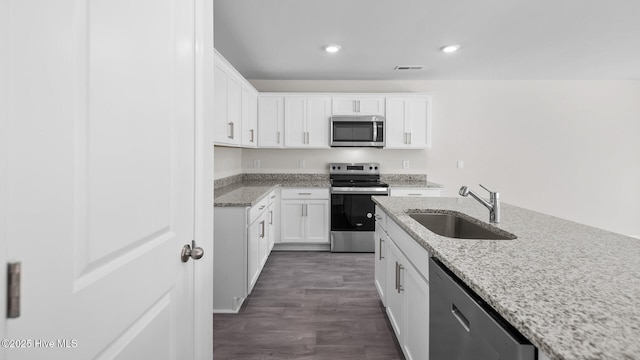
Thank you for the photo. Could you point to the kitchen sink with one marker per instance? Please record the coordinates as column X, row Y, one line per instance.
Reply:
column 456, row 226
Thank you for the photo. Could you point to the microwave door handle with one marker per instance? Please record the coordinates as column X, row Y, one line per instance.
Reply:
column 375, row 131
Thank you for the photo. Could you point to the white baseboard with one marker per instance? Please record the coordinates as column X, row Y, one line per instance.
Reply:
column 301, row 247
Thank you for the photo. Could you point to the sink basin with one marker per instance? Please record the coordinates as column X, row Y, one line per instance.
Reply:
column 455, row 226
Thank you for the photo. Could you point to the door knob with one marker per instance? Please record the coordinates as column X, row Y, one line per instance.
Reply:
column 188, row 252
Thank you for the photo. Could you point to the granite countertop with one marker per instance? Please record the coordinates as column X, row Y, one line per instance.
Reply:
column 248, row 193
column 571, row 289
column 247, row 189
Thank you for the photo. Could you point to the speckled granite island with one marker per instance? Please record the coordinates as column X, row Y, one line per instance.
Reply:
column 572, row 290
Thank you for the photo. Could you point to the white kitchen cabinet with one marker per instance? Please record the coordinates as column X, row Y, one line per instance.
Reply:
column 405, row 286
column 306, row 121
column 408, row 122
column 256, row 249
column 395, row 264
column 235, row 106
column 270, row 121
column 354, row 104
column 273, row 216
column 380, row 262
column 417, row 192
column 242, row 246
column 415, row 342
column 305, row 215
column 249, row 118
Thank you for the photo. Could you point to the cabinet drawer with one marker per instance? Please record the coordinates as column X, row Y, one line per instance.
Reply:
column 305, row 193
column 258, row 209
column 420, row 192
column 416, row 254
column 381, row 218
column 272, row 197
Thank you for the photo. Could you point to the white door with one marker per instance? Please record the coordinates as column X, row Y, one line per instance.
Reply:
column 396, row 132
column 270, row 121
column 317, row 221
column 294, row 121
column 292, row 220
column 318, row 114
column 416, row 122
column 98, row 149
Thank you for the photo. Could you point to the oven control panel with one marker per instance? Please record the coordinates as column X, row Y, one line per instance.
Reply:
column 354, row 168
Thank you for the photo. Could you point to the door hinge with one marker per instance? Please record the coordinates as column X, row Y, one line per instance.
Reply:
column 13, row 290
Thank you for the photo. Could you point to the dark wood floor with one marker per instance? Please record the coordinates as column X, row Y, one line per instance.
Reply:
column 309, row 305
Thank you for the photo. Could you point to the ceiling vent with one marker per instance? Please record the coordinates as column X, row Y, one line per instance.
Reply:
column 409, row 67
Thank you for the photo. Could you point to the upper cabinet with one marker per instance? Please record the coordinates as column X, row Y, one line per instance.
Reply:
column 408, row 122
column 249, row 118
column 270, row 121
column 358, row 105
column 306, row 121
column 235, row 106
column 245, row 118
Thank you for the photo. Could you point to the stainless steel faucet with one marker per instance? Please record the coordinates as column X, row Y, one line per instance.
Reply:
column 493, row 204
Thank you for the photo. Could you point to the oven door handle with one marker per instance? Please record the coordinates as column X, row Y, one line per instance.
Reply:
column 360, row 191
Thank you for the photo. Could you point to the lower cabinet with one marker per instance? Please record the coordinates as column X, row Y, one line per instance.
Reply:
column 305, row 216
column 380, row 261
column 403, row 288
column 242, row 244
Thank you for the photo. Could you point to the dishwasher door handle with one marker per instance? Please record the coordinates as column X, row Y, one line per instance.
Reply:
column 460, row 316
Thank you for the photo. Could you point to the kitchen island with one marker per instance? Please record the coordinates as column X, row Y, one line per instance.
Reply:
column 571, row 289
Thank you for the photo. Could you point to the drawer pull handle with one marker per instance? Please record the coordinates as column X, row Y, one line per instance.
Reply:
column 460, row 316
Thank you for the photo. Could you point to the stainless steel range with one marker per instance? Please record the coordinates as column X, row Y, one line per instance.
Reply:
column 352, row 210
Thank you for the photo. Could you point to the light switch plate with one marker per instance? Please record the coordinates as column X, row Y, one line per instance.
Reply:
column 405, row 164
column 256, row 163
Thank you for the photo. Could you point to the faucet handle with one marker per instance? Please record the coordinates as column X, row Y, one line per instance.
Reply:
column 490, row 192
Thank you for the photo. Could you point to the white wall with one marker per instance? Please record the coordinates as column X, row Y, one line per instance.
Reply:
column 315, row 161
column 565, row 148
column 227, row 162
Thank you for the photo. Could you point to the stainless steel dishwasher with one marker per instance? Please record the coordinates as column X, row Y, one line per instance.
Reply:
column 462, row 326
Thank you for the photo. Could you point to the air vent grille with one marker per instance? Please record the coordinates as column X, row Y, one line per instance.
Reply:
column 409, row 67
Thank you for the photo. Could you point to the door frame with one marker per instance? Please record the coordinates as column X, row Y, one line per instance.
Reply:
column 204, row 151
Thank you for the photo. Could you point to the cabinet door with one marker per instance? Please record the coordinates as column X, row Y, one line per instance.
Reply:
column 396, row 134
column 317, row 221
column 344, row 106
column 271, row 222
column 253, row 254
column 220, row 105
column 371, row 106
column 317, row 124
column 294, row 122
column 380, row 263
column 416, row 311
column 395, row 294
column 292, row 228
column 270, row 121
column 416, row 122
column 234, row 110
column 358, row 105
column 249, row 118
column 263, row 241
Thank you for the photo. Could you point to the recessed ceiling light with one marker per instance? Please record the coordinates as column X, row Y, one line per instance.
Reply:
column 450, row 48
column 333, row 48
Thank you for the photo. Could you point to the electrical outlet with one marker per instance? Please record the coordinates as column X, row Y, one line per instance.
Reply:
column 460, row 164
column 256, row 163
column 302, row 164
column 405, row 164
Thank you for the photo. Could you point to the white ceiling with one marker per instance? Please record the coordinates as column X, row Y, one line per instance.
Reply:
column 501, row 39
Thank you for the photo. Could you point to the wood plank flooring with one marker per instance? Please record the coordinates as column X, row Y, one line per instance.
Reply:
column 309, row 306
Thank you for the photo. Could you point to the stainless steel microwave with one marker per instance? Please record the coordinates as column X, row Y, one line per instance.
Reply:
column 357, row 130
